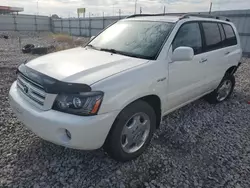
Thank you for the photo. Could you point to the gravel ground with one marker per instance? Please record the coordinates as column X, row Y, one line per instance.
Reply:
column 200, row 145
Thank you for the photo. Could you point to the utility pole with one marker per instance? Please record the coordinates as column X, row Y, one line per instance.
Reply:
column 140, row 10
column 210, row 9
column 120, row 12
column 37, row 7
column 164, row 10
column 135, row 6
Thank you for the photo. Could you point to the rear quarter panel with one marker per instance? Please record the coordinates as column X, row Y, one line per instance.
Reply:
column 236, row 51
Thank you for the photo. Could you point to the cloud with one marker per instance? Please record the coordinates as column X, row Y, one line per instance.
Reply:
column 66, row 8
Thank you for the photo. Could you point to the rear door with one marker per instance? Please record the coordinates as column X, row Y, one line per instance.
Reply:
column 214, row 52
column 232, row 51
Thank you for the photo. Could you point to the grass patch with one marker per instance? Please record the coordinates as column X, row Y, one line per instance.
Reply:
column 63, row 38
column 61, row 48
column 65, row 41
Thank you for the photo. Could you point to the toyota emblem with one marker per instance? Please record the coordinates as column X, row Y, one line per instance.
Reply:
column 25, row 89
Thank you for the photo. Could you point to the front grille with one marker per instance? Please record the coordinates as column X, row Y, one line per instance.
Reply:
column 31, row 89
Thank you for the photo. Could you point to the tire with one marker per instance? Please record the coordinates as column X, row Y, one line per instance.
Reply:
column 5, row 36
column 213, row 98
column 40, row 50
column 113, row 144
column 27, row 48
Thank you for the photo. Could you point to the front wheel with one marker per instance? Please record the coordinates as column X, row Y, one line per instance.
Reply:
column 223, row 91
column 131, row 132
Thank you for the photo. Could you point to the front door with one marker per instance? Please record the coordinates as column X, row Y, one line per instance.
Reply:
column 186, row 78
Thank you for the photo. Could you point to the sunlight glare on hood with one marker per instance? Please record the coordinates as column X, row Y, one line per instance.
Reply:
column 68, row 70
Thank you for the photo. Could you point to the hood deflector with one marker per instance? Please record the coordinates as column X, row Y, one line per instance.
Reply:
column 49, row 84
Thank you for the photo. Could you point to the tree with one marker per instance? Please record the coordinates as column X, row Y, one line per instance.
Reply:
column 55, row 16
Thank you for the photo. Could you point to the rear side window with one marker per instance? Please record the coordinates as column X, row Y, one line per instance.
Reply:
column 212, row 36
column 230, row 35
column 189, row 35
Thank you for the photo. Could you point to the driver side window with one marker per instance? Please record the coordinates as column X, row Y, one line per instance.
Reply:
column 189, row 35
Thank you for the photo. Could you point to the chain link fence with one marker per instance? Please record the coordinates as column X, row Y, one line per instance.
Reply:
column 25, row 23
column 91, row 26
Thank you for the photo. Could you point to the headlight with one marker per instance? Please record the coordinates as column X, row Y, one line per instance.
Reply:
column 85, row 104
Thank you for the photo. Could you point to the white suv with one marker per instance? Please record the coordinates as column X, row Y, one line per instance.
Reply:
column 114, row 91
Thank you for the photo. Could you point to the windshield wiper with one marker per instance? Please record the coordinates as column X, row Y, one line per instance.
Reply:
column 91, row 46
column 113, row 51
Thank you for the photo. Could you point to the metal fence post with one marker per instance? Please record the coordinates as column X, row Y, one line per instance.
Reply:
column 69, row 26
column 61, row 25
column 51, row 24
column 90, row 27
column 103, row 21
column 80, row 27
column 20, row 42
column 35, row 23
column 15, row 23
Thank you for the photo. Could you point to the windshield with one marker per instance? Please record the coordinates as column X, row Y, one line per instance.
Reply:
column 142, row 39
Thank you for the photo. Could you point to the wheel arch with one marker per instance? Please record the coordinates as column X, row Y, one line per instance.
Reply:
column 154, row 101
column 231, row 70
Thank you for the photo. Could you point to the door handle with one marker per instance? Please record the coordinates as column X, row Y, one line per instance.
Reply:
column 227, row 53
column 203, row 61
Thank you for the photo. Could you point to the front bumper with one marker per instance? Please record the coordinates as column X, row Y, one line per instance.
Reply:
column 87, row 133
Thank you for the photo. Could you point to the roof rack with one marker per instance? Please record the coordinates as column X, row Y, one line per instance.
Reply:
column 166, row 14
column 204, row 16
column 183, row 15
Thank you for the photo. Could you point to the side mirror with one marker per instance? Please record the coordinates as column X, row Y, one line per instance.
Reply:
column 183, row 54
column 92, row 38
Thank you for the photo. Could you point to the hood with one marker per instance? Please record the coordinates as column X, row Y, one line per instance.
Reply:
column 83, row 65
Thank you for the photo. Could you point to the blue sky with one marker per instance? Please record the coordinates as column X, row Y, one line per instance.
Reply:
column 66, row 8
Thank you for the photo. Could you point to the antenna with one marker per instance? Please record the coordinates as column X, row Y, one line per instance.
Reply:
column 211, row 6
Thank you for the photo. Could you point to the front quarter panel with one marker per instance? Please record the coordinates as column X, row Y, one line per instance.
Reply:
column 126, row 87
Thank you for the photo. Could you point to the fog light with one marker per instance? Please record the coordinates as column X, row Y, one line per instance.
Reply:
column 68, row 134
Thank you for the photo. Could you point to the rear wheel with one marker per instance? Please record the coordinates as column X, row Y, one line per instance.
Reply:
column 131, row 132
column 224, row 90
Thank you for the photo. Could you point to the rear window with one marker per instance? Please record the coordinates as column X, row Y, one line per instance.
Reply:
column 212, row 36
column 230, row 35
